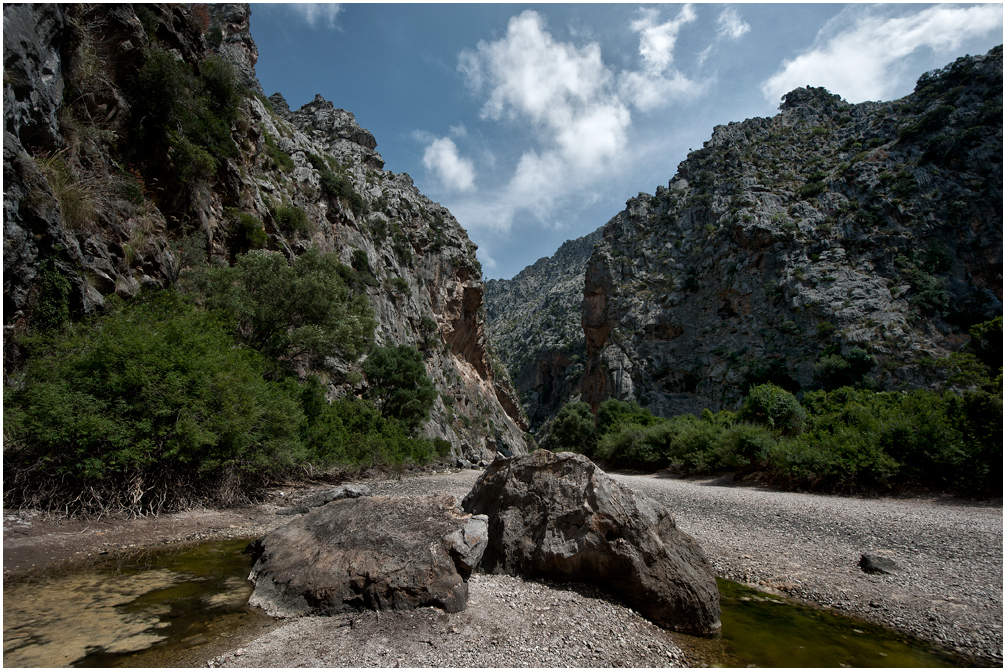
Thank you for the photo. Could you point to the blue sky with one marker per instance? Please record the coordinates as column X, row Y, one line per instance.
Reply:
column 534, row 124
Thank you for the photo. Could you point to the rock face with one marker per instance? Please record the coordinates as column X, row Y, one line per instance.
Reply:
column 422, row 277
column 369, row 553
column 793, row 239
column 558, row 516
column 784, row 242
column 533, row 321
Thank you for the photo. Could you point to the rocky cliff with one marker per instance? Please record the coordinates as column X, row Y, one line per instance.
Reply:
column 829, row 240
column 533, row 321
column 107, row 200
column 822, row 245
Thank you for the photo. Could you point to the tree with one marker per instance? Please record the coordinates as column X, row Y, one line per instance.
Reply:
column 574, row 428
column 398, row 384
column 291, row 309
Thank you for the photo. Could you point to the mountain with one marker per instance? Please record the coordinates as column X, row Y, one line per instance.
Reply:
column 830, row 244
column 137, row 140
column 533, row 321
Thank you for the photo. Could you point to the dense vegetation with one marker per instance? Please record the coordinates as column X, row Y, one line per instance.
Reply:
column 191, row 393
column 843, row 440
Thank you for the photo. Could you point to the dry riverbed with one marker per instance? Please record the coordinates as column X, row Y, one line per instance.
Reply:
column 950, row 589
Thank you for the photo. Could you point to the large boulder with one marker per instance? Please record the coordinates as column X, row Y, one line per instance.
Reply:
column 369, row 553
column 559, row 516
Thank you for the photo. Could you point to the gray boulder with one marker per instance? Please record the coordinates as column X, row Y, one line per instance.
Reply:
column 872, row 563
column 559, row 516
column 369, row 553
column 350, row 491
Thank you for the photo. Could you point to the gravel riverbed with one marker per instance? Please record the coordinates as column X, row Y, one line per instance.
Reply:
column 950, row 589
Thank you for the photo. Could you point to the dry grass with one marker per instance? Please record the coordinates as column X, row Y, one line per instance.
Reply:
column 80, row 197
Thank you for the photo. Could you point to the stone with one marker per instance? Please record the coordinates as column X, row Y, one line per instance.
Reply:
column 559, row 516
column 872, row 563
column 352, row 491
column 369, row 553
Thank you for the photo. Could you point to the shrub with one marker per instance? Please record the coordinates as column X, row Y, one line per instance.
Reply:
column 291, row 219
column 773, row 406
column 336, row 186
column 77, row 196
column 833, row 370
column 187, row 113
column 573, row 429
column 150, row 406
column 613, row 413
column 280, row 158
column 987, row 342
column 246, row 231
column 398, row 384
column 290, row 309
column 51, row 304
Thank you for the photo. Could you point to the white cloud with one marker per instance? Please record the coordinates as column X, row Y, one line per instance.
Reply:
column 658, row 84
column 454, row 172
column 565, row 94
column 316, row 12
column 863, row 62
column 576, row 107
column 657, row 40
column 731, row 25
column 459, row 130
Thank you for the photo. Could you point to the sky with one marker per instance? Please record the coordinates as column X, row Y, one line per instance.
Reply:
column 533, row 124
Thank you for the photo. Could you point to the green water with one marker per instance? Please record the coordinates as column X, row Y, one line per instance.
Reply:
column 143, row 611
column 173, row 608
column 764, row 630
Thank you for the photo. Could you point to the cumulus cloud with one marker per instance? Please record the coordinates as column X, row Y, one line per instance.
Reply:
column 316, row 13
column 731, row 25
column 658, row 83
column 442, row 159
column 565, row 94
column 863, row 61
column 576, row 107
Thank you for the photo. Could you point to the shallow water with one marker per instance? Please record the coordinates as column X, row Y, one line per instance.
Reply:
column 764, row 630
column 168, row 609
column 129, row 612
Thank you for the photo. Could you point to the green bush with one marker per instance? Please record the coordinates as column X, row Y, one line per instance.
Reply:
column 398, row 384
column 152, row 405
column 336, row 186
column 775, row 407
column 280, row 158
column 987, row 342
column 833, row 370
column 290, row 309
column 245, row 230
column 291, row 219
column 613, row 413
column 573, row 429
column 51, row 304
column 188, row 114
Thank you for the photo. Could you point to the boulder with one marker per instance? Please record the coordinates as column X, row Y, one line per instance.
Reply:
column 872, row 563
column 350, row 491
column 369, row 553
column 559, row 516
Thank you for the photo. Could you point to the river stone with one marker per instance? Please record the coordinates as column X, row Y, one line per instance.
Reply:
column 351, row 491
column 559, row 516
column 878, row 564
column 369, row 553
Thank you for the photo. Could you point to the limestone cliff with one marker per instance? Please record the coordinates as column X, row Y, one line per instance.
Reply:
column 787, row 242
column 533, row 320
column 89, row 192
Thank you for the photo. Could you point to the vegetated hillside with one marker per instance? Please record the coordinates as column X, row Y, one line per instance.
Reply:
column 533, row 321
column 830, row 244
column 140, row 154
